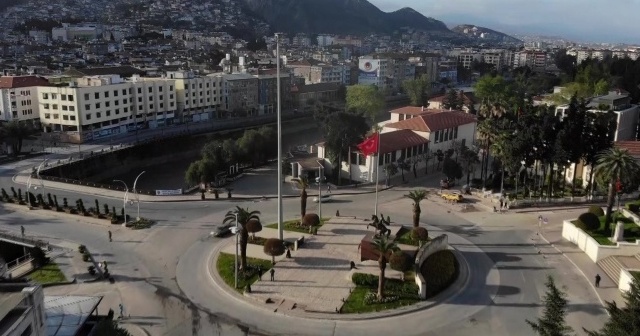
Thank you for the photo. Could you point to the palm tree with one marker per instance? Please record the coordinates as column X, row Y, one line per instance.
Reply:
column 384, row 248
column 469, row 159
column 499, row 149
column 417, row 196
column 244, row 217
column 303, row 184
column 613, row 165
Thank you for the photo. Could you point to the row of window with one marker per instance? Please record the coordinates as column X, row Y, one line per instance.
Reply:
column 27, row 112
column 63, row 107
column 106, row 94
column 56, row 116
column 63, row 97
column 404, row 154
column 446, row 135
column 25, row 102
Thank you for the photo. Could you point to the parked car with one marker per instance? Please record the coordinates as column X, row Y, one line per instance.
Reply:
column 323, row 199
column 224, row 230
column 452, row 197
column 321, row 179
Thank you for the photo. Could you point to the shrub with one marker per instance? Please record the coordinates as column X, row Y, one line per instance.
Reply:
column 580, row 225
column 82, row 249
column 439, row 271
column 274, row 247
column 253, row 226
column 596, row 210
column 371, row 298
column 400, row 261
column 633, row 207
column 590, row 221
column 310, row 220
column 91, row 269
column 86, row 257
column 39, row 256
column 419, row 234
column 364, row 279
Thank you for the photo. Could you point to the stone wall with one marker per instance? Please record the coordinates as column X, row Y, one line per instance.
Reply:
column 592, row 248
column 439, row 243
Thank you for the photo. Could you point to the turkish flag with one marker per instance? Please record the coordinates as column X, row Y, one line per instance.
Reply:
column 370, row 145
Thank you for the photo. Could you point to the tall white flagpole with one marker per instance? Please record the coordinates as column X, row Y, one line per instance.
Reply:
column 377, row 165
column 279, row 122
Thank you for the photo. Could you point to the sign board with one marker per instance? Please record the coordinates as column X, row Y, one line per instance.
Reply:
column 168, row 192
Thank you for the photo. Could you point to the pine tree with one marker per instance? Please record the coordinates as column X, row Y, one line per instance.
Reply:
column 623, row 321
column 555, row 309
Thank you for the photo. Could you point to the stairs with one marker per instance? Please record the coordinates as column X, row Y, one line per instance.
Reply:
column 613, row 264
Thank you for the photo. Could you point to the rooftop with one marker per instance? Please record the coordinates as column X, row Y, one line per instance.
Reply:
column 401, row 139
column 67, row 314
column 14, row 82
column 632, row 146
column 434, row 120
column 123, row 71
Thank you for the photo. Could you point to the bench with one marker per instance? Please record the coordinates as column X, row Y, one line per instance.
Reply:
column 298, row 243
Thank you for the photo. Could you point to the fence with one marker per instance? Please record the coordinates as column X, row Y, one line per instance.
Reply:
column 25, row 240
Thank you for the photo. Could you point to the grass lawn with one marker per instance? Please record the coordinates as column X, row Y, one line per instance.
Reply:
column 404, row 237
column 631, row 231
column 49, row 273
column 635, row 274
column 260, row 241
column 292, row 225
column 227, row 272
column 355, row 303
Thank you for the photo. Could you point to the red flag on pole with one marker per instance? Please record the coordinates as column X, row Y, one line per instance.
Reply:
column 370, row 145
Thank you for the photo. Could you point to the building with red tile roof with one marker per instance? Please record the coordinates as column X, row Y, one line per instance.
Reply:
column 18, row 98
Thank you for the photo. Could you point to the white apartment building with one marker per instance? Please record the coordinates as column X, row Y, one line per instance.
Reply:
column 68, row 32
column 100, row 106
column 22, row 310
column 325, row 40
column 18, row 98
column 198, row 97
column 387, row 74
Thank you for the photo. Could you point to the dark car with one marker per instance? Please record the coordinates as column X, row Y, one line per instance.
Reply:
column 223, row 230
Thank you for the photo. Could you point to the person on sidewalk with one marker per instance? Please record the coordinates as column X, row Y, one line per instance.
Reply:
column 110, row 235
column 598, row 278
column 328, row 188
column 260, row 273
column 22, row 230
column 273, row 272
column 288, row 255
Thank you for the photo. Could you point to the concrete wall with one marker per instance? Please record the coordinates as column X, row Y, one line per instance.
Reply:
column 633, row 216
column 439, row 243
column 590, row 246
column 626, row 279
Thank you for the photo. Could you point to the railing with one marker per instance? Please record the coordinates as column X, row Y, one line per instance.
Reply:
column 29, row 241
column 16, row 263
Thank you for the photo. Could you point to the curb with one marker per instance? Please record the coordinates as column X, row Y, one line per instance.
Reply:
column 450, row 293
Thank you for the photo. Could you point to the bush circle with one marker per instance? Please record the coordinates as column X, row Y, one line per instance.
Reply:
column 590, row 221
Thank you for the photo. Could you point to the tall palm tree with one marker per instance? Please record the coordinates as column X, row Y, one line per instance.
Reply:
column 303, row 184
column 469, row 159
column 613, row 165
column 244, row 217
column 417, row 196
column 384, row 248
column 499, row 149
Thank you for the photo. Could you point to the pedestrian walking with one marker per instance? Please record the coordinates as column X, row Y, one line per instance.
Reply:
column 260, row 273
column 110, row 235
column 501, row 203
column 288, row 255
column 22, row 230
column 121, row 310
column 328, row 188
column 273, row 272
column 598, row 278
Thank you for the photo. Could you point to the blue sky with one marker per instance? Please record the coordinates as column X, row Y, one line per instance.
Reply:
column 581, row 20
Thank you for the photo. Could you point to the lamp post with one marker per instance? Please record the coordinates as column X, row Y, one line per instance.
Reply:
column 135, row 191
column 236, row 263
column 279, row 123
column 40, row 177
column 124, row 200
column 28, row 192
column 320, row 192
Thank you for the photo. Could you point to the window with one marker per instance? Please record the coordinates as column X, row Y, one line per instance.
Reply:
column 54, row 96
column 70, row 97
column 170, row 87
column 63, row 97
column 46, row 106
column 97, row 105
column 54, row 106
column 207, row 85
column 108, row 113
column 139, row 90
column 139, row 99
column 193, row 94
column 139, row 107
column 97, row 95
column 106, row 94
column 115, row 93
column 47, row 115
column 98, row 115
column 124, row 91
column 45, row 96
column 116, row 103
column 160, row 88
column 56, row 116
column 150, row 89
column 150, row 98
column 171, row 96
column 65, row 117
column 87, row 106
column 107, row 104
column 87, row 116
column 193, row 86
column 124, row 101
column 65, row 108
column 86, row 96
column 72, row 118
column 455, row 132
column 161, row 105
column 161, row 97
column 171, row 104
column 117, row 111
column 151, row 106
column 125, row 110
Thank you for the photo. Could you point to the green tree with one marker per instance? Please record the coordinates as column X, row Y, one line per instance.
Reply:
column 612, row 165
column 269, row 141
column 451, row 169
column 403, row 166
column 251, row 147
column 552, row 322
column 303, row 184
column 383, row 247
column 365, row 99
column 469, row 158
column 599, row 135
column 341, row 131
column 14, row 133
column 244, row 216
column 202, row 171
column 570, row 140
column 390, row 169
column 623, row 321
column 453, row 100
column 417, row 196
column 231, row 151
column 601, row 87
column 418, row 90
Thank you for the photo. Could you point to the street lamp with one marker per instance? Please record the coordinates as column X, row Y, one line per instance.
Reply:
column 236, row 263
column 28, row 192
column 279, row 123
column 320, row 192
column 135, row 191
column 40, row 177
column 124, row 200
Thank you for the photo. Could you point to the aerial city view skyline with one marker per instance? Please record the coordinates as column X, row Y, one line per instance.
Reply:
column 319, row 167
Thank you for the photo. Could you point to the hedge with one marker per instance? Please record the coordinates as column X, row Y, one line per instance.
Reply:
column 591, row 221
column 596, row 210
column 439, row 271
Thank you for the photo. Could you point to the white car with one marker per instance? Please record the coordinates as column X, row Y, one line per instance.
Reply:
column 323, row 199
column 322, row 179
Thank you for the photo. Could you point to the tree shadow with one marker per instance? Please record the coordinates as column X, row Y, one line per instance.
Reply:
column 349, row 231
column 502, row 257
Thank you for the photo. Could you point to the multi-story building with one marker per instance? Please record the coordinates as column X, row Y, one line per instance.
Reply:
column 325, row 40
column 19, row 99
column 268, row 93
column 22, row 309
column 240, row 94
column 315, row 72
column 68, row 32
column 198, row 98
column 427, row 65
column 582, row 55
column 600, row 54
column 348, row 40
column 386, row 72
column 468, row 58
column 101, row 106
column 530, row 58
column 494, row 58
